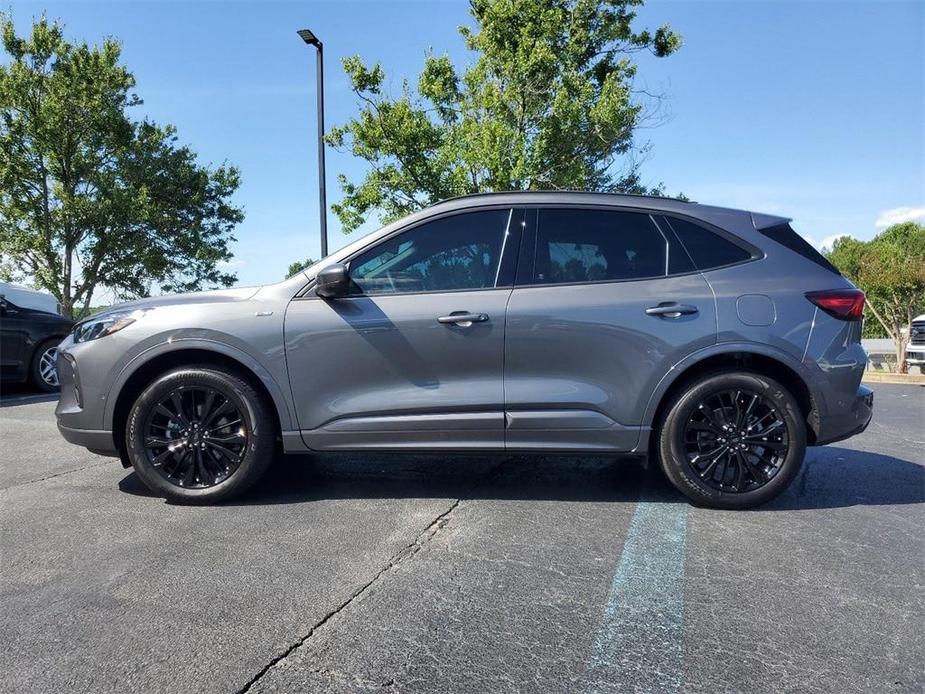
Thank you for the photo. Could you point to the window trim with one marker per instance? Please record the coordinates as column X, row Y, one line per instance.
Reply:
column 307, row 292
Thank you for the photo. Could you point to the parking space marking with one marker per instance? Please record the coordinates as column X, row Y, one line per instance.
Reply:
column 638, row 644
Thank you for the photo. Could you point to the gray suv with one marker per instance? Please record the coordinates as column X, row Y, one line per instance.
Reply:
column 715, row 340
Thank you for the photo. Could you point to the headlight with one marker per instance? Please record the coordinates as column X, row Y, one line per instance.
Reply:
column 105, row 324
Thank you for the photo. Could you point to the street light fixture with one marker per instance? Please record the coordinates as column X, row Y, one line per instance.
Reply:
column 308, row 37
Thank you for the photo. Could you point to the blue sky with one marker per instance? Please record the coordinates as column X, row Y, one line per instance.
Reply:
column 815, row 110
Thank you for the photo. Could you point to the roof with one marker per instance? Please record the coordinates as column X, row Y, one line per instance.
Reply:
column 545, row 197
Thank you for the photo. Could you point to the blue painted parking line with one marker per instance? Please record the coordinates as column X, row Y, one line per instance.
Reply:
column 638, row 644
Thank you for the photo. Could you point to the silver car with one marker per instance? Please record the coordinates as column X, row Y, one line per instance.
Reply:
column 716, row 341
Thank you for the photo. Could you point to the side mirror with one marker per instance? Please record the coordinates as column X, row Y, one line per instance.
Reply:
column 332, row 281
column 3, row 305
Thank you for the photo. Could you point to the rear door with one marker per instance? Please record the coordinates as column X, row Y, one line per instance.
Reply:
column 605, row 303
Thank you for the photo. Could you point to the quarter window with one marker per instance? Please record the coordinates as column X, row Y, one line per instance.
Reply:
column 707, row 250
column 457, row 252
column 585, row 245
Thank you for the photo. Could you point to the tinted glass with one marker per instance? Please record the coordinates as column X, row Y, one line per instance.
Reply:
column 786, row 236
column 575, row 245
column 457, row 252
column 708, row 250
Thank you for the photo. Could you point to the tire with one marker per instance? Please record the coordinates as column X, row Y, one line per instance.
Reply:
column 688, row 440
column 39, row 374
column 189, row 454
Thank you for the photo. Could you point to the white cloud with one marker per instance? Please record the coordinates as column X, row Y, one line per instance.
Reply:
column 825, row 243
column 230, row 264
column 898, row 215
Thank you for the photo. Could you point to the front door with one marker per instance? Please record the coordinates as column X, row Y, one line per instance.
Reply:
column 603, row 308
column 413, row 356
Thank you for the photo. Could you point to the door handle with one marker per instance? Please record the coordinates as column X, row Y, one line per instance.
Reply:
column 464, row 320
column 670, row 309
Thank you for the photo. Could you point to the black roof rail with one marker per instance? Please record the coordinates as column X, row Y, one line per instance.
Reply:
column 570, row 190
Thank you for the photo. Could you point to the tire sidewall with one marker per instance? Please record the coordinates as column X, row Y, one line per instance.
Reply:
column 256, row 420
column 671, row 436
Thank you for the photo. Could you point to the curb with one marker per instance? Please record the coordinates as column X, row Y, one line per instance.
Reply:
column 906, row 379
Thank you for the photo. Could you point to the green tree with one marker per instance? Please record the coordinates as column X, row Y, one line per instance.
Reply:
column 548, row 103
column 890, row 269
column 90, row 197
column 299, row 266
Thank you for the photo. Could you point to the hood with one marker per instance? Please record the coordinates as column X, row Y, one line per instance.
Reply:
column 213, row 296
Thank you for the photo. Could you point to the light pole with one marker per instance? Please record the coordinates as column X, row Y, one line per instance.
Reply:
column 312, row 40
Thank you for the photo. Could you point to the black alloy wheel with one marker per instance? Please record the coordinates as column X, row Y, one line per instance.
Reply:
column 195, row 437
column 736, row 440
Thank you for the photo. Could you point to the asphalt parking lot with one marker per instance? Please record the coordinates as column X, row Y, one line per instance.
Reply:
column 463, row 574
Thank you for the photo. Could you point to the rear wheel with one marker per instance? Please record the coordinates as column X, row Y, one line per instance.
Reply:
column 732, row 440
column 44, row 371
column 200, row 435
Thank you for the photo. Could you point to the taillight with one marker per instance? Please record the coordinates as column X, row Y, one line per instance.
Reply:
column 846, row 304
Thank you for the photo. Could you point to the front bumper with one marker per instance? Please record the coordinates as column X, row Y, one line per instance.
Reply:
column 915, row 355
column 852, row 421
column 97, row 441
column 75, row 423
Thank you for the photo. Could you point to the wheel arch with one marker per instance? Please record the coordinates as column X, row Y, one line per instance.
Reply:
column 132, row 381
column 745, row 358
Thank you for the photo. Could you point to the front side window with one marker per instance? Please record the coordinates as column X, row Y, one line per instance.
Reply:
column 452, row 253
column 585, row 245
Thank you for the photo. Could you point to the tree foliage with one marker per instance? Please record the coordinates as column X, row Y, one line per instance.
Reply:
column 549, row 103
column 298, row 266
column 90, row 197
column 890, row 269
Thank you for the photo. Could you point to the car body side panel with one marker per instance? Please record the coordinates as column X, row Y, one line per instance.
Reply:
column 593, row 348
column 371, row 372
column 755, row 305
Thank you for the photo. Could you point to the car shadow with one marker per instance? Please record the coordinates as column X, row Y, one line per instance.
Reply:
column 831, row 478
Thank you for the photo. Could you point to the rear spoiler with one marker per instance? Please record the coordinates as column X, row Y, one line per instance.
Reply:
column 766, row 221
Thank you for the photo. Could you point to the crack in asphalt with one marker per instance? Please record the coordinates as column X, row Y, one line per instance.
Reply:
column 404, row 554
column 57, row 474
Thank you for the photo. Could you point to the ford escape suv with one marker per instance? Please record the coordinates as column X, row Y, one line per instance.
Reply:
column 715, row 340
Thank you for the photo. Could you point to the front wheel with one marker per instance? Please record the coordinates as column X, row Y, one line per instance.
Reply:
column 44, row 367
column 200, row 435
column 732, row 440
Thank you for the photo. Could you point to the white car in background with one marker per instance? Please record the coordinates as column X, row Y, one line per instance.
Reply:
column 915, row 352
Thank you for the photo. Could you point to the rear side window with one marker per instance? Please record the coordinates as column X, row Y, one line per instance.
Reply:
column 585, row 245
column 786, row 236
column 708, row 250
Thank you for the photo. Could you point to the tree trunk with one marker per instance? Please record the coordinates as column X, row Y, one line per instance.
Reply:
column 895, row 334
column 901, row 356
